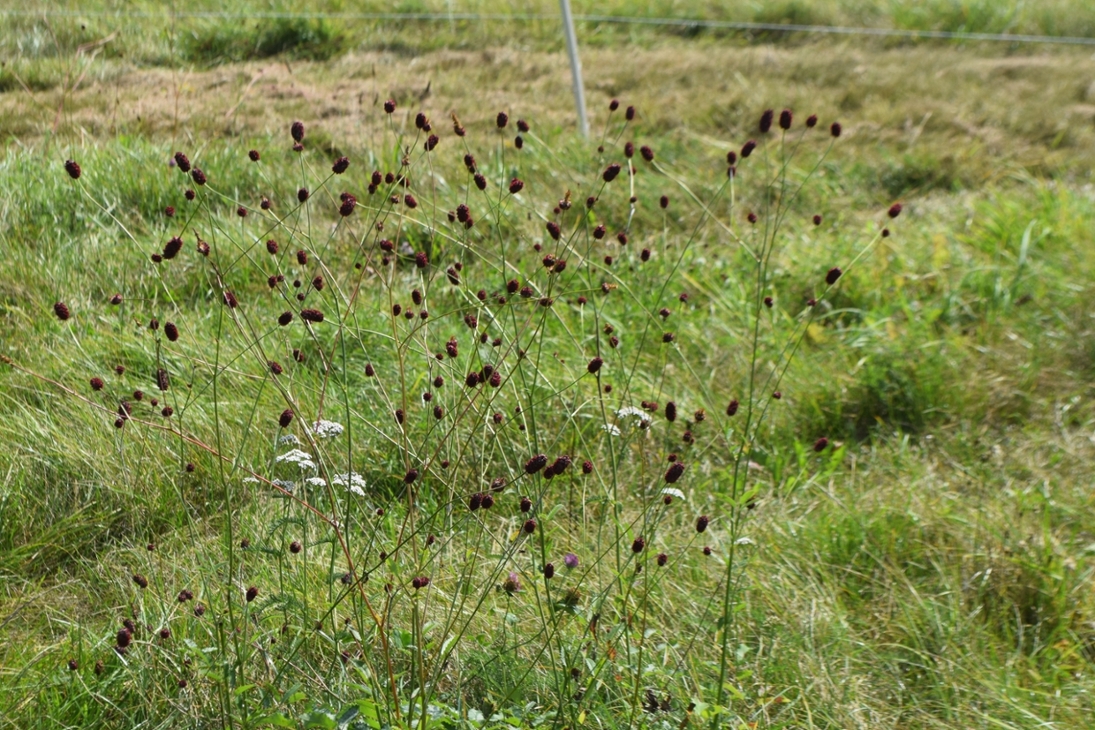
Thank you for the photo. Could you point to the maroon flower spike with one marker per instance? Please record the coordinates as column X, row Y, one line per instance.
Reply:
column 297, row 130
column 835, row 129
column 140, row 580
column 349, row 202
column 476, row 501
column 230, row 299
column 526, row 504
column 894, row 211
column 811, row 121
column 389, row 106
column 785, row 119
column 302, row 258
column 766, row 121
column 629, row 149
column 502, row 120
column 285, row 318
column 820, row 444
column 480, row 181
column 885, row 232
column 253, row 592
column 675, row 471
column 172, row 247
column 488, row 501
column 73, row 169
column 163, row 380
column 777, row 395
column 817, row 219
column 833, row 275
column 595, row 365
column 302, row 194
column 752, row 217
column 638, row 545
column 549, row 571
column 747, row 148
column 97, row 383
column 515, row 186
column 421, row 260
column 553, row 230
column 254, row 155
column 431, row 142
column 123, row 638
column 662, row 559
column 629, row 113
column 285, row 418
column 311, row 315
column 614, row 105
column 731, row 157
column 264, row 203
column 611, row 172
column 62, row 311
column 647, row 153
column 535, row 464
column 341, row 165
column 701, row 523
column 530, row 526
column 198, row 176
column 165, row 633
column 272, row 246
column 182, row 161
column 275, row 367
column 116, row 299
column 171, row 330
column 599, row 232
column 671, row 411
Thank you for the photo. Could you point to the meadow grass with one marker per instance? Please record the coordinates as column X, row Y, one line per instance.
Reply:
column 931, row 567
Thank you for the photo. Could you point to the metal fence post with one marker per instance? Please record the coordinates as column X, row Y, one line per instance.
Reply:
column 575, row 67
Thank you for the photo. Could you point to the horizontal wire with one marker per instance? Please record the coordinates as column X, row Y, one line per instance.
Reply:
column 688, row 23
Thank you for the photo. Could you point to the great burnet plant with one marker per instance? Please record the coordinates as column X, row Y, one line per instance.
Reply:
column 466, row 472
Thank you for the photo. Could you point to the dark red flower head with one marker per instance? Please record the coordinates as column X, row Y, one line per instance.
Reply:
column 182, row 162
column 172, row 247
column 62, row 311
column 253, row 592
column 785, row 119
column 341, row 165
column 349, row 202
column 530, row 526
column 198, row 176
column 73, row 169
column 811, row 121
column 766, row 121
column 895, row 210
column 701, row 523
column 171, row 330
column 515, row 186
column 389, row 106
column 817, row 219
column 675, row 471
column 611, row 172
column 614, row 105
column 835, row 129
column 297, row 130
column 821, row 444
column 638, row 545
column 502, row 120
column 629, row 113
column 140, row 580
column 285, row 418
column 535, row 464
column 421, row 260
column 747, row 148
column 833, row 275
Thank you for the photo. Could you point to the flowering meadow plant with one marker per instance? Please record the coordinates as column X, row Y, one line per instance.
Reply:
column 474, row 429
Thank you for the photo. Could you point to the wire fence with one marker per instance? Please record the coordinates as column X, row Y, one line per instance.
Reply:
column 682, row 23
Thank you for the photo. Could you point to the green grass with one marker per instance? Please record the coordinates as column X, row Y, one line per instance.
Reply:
column 932, row 569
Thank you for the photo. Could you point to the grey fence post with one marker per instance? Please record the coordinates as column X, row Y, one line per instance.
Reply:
column 575, row 66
